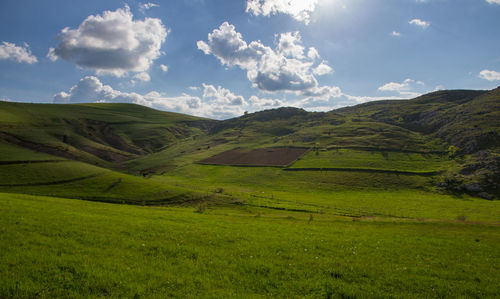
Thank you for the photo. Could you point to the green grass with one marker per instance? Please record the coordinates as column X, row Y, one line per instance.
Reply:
column 80, row 180
column 379, row 160
column 45, row 172
column 65, row 248
column 338, row 193
column 10, row 152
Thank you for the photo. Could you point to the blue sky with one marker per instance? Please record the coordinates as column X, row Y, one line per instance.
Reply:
column 219, row 58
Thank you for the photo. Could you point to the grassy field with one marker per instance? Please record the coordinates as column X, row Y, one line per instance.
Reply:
column 110, row 200
column 67, row 248
column 375, row 159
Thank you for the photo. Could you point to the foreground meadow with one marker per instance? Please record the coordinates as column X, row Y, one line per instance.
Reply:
column 56, row 247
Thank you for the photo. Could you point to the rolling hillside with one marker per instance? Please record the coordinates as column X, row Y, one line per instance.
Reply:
column 119, row 200
column 445, row 139
column 102, row 134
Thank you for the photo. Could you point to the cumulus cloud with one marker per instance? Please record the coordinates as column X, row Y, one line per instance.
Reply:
column 405, row 89
column 396, row 33
column 90, row 89
column 493, row 1
column 300, row 10
column 21, row 54
column 419, row 23
column 184, row 103
column 164, row 68
column 489, row 75
column 284, row 68
column 322, row 69
column 290, row 45
column 222, row 96
column 112, row 43
column 217, row 102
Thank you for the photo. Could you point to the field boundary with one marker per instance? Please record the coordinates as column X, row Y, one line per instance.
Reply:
column 375, row 149
column 32, row 161
column 242, row 165
column 53, row 182
column 369, row 170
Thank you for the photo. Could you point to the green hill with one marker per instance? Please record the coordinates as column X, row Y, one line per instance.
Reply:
column 447, row 139
column 101, row 134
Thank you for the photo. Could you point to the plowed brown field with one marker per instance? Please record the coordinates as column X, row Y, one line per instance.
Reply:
column 278, row 156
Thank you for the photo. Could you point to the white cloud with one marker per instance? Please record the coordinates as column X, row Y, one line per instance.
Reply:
column 439, row 87
column 184, row 103
column 90, row 89
column 220, row 103
column 222, row 96
column 419, row 23
column 263, row 103
column 396, row 33
column 52, row 55
column 313, row 53
column 300, row 10
column 405, row 89
column 5, row 99
column 217, row 102
column 21, row 54
column 142, row 77
column 322, row 69
column 290, row 45
column 489, row 75
column 145, row 6
column 324, row 92
column 194, row 88
column 493, row 1
column 164, row 68
column 112, row 43
column 282, row 69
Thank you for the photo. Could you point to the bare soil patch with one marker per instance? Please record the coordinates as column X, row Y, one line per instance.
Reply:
column 277, row 156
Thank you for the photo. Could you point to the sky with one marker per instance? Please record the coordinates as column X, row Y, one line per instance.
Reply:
column 220, row 58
